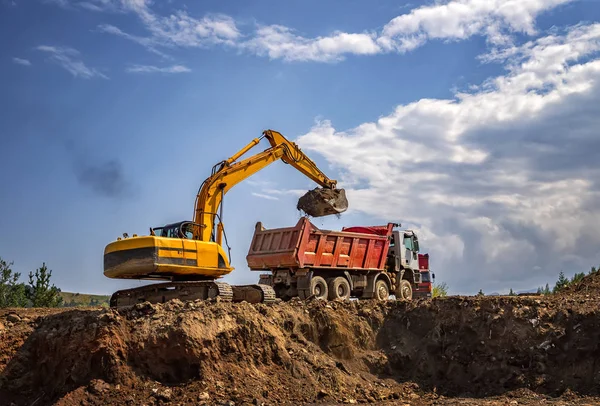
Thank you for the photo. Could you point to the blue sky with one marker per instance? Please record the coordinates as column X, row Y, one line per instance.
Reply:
column 472, row 121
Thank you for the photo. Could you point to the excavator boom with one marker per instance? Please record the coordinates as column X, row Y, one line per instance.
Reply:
column 232, row 171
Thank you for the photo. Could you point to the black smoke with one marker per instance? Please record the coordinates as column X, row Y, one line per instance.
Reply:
column 105, row 178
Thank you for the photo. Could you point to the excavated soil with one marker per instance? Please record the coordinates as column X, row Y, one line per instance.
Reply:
column 321, row 202
column 455, row 350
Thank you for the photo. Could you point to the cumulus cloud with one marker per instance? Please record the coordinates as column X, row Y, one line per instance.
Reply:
column 68, row 58
column 21, row 61
column 461, row 19
column 501, row 181
column 155, row 69
column 280, row 42
column 497, row 20
column 451, row 20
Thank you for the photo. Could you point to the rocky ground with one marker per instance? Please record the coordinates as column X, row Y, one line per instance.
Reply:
column 457, row 350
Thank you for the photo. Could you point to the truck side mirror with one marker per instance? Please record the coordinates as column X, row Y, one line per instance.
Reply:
column 433, row 275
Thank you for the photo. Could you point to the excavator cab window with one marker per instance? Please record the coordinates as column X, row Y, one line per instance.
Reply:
column 172, row 232
column 187, row 229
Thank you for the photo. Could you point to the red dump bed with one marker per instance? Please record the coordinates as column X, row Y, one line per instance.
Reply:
column 305, row 246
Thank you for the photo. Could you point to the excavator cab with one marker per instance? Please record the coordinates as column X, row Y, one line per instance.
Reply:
column 182, row 229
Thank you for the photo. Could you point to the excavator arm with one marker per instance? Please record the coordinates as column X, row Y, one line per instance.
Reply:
column 232, row 171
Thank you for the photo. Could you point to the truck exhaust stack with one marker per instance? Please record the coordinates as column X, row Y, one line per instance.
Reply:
column 321, row 202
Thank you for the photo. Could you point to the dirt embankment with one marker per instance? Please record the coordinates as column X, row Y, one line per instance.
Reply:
column 505, row 349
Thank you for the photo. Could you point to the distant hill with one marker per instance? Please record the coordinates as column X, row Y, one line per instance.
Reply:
column 83, row 300
column 527, row 291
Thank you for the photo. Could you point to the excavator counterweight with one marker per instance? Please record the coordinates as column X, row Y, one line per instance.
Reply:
column 192, row 255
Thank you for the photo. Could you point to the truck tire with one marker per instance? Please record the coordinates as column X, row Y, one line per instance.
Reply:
column 382, row 291
column 318, row 288
column 404, row 290
column 339, row 288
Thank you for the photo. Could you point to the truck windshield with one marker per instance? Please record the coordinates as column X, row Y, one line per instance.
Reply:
column 408, row 242
column 425, row 277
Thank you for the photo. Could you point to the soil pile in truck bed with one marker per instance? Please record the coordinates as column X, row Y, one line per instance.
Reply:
column 441, row 351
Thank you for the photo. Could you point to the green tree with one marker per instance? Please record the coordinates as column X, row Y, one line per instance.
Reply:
column 593, row 270
column 440, row 290
column 578, row 277
column 511, row 293
column 12, row 294
column 480, row 293
column 546, row 290
column 40, row 293
column 561, row 283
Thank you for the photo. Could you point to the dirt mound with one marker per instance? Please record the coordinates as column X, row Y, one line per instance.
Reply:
column 302, row 352
column 589, row 285
column 483, row 347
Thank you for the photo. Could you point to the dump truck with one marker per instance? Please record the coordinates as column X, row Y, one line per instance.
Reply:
column 191, row 255
column 356, row 262
column 424, row 288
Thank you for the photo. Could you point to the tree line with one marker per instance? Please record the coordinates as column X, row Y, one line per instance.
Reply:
column 564, row 282
column 38, row 292
column 561, row 283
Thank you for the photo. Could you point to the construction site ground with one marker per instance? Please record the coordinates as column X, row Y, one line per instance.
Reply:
column 535, row 350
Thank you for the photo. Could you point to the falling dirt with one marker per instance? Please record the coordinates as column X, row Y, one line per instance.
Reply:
column 455, row 350
column 321, row 202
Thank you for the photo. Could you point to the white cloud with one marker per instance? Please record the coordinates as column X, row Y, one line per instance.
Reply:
column 68, row 59
column 264, row 196
column 149, row 43
column 502, row 180
column 92, row 5
column 497, row 20
column 155, row 69
column 178, row 29
column 293, row 192
column 461, row 19
column 21, row 61
column 451, row 20
column 279, row 42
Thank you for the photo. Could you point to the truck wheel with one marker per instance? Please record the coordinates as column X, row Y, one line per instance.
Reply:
column 339, row 288
column 382, row 292
column 318, row 287
column 404, row 290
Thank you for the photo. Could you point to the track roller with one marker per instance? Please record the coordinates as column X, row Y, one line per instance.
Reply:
column 163, row 292
column 258, row 293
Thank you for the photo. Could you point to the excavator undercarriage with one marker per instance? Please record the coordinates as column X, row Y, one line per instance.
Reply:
column 193, row 290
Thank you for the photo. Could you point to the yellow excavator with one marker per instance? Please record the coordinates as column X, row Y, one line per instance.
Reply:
column 191, row 254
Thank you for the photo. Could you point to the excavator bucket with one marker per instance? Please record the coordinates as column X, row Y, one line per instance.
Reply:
column 321, row 202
